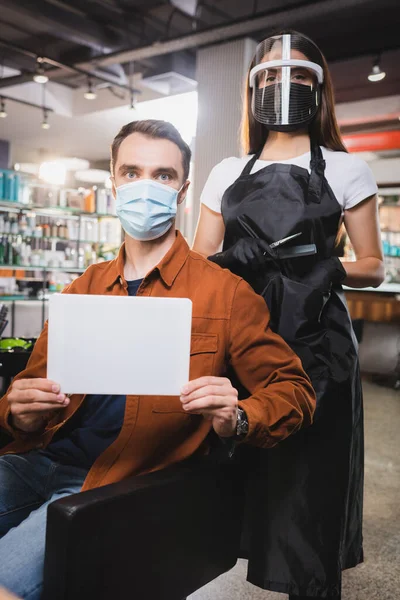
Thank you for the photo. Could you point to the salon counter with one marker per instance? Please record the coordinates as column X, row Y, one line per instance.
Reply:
column 380, row 305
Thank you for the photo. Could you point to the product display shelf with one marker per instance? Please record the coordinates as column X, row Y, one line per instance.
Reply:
column 64, row 211
column 41, row 268
column 76, row 238
column 57, row 229
column 43, row 299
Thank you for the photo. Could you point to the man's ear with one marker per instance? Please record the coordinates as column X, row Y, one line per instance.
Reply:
column 113, row 188
column 183, row 192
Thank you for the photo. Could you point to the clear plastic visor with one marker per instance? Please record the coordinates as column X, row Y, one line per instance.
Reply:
column 286, row 79
column 285, row 52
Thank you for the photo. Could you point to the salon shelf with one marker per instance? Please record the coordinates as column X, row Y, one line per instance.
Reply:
column 41, row 268
column 21, row 299
column 62, row 211
column 49, row 239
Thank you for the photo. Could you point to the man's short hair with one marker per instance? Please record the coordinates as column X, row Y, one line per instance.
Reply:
column 155, row 129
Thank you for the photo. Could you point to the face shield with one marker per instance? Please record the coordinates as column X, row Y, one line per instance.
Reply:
column 286, row 84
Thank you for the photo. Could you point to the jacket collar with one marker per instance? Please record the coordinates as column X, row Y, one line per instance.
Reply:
column 168, row 268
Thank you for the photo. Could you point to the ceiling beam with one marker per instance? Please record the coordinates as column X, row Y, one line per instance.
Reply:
column 115, row 18
column 58, row 70
column 26, row 103
column 66, row 25
column 127, row 22
column 300, row 15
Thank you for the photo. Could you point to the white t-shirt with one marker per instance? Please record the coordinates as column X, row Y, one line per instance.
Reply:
column 349, row 176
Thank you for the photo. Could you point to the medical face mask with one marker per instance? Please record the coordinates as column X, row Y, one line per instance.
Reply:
column 146, row 208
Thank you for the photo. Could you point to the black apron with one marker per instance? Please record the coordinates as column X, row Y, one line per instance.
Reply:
column 303, row 521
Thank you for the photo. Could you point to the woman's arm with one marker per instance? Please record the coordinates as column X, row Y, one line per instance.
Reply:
column 362, row 226
column 209, row 233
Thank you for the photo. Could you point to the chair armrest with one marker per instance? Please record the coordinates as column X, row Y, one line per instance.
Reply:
column 159, row 536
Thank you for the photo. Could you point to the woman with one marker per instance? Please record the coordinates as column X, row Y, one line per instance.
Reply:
column 298, row 182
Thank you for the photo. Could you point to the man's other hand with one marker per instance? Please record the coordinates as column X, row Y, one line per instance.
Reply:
column 33, row 402
column 216, row 399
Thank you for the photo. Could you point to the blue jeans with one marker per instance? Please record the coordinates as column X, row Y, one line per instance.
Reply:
column 28, row 483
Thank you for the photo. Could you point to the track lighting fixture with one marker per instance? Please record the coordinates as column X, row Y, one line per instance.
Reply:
column 45, row 122
column 3, row 112
column 90, row 94
column 376, row 74
column 40, row 74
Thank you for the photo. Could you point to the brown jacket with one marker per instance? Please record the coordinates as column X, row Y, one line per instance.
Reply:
column 229, row 328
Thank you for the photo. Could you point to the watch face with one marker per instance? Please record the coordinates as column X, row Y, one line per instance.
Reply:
column 242, row 426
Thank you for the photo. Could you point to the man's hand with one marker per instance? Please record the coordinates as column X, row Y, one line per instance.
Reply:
column 33, row 402
column 216, row 399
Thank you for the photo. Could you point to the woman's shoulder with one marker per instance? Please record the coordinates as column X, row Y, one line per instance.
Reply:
column 350, row 177
column 221, row 177
column 232, row 162
column 226, row 172
column 346, row 160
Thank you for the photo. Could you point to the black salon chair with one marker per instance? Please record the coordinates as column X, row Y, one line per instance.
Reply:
column 160, row 536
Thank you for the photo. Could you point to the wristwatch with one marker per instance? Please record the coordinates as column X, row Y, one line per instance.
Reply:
column 242, row 424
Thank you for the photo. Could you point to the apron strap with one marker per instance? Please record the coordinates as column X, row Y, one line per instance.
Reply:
column 317, row 175
column 317, row 167
column 250, row 164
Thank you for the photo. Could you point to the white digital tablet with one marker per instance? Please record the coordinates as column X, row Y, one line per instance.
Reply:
column 119, row 344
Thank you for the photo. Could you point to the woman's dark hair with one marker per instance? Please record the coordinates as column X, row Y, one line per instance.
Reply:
column 155, row 129
column 324, row 129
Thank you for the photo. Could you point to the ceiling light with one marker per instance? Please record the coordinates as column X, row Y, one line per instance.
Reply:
column 52, row 172
column 40, row 78
column 376, row 73
column 98, row 176
column 90, row 94
column 73, row 164
column 45, row 123
column 3, row 112
column 40, row 75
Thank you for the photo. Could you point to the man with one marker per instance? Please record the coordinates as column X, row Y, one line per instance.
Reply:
column 63, row 445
